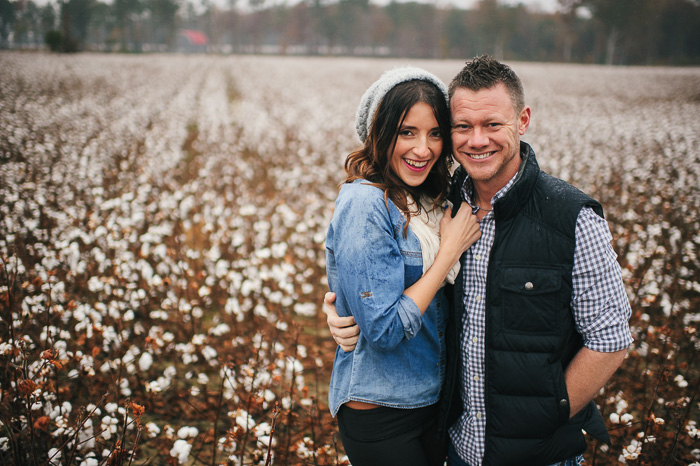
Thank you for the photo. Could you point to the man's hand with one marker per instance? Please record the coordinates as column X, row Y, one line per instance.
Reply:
column 344, row 330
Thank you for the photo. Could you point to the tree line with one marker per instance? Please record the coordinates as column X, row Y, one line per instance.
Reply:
column 584, row 31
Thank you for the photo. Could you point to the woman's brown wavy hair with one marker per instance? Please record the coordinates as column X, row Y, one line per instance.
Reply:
column 371, row 162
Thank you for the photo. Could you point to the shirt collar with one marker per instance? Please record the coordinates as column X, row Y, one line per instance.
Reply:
column 468, row 192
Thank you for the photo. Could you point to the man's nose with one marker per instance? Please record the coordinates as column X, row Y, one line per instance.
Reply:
column 478, row 138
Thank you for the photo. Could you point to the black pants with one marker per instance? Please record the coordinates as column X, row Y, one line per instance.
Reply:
column 389, row 436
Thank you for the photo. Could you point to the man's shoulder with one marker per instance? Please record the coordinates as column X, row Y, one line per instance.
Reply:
column 564, row 199
column 560, row 188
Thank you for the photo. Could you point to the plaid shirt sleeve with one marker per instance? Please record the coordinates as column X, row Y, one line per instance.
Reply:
column 599, row 301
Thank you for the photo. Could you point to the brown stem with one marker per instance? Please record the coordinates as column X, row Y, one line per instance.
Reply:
column 681, row 422
column 75, row 435
column 216, row 418
column 250, row 399
column 275, row 414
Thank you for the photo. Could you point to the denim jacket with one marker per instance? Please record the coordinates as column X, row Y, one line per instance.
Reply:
column 399, row 358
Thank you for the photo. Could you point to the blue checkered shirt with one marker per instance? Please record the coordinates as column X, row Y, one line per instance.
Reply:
column 600, row 306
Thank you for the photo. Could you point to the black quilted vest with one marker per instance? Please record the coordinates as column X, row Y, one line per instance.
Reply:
column 530, row 331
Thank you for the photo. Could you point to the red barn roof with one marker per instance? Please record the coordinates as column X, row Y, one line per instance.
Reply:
column 195, row 37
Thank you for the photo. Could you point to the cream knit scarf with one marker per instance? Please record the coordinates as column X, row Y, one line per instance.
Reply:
column 426, row 226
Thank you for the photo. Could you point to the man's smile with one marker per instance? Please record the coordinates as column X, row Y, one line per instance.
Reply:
column 480, row 156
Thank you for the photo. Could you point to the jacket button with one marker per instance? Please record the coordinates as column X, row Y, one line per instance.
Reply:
column 563, row 403
column 529, row 286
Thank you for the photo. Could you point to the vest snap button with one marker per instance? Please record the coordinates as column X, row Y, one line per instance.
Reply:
column 563, row 403
column 529, row 286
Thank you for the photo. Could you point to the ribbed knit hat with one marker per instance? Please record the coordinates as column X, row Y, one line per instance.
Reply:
column 376, row 92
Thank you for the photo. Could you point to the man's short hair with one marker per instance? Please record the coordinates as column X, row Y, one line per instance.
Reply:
column 484, row 72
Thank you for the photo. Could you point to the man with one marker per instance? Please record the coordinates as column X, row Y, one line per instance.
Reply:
column 540, row 312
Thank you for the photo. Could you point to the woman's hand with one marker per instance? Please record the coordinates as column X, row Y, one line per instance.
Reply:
column 459, row 233
column 456, row 235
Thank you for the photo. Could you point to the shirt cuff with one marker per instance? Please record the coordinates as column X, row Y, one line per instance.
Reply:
column 410, row 316
column 610, row 339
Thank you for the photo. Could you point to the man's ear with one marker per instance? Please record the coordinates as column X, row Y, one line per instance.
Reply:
column 523, row 120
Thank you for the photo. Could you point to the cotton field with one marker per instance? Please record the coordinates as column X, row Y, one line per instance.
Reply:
column 162, row 226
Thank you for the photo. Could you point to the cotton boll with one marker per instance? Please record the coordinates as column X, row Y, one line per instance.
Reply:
column 152, row 430
column 261, row 311
column 305, row 309
column 680, row 381
column 55, row 454
column 145, row 362
column 198, row 339
column 209, row 353
column 153, row 387
column 187, row 432
column 86, row 438
column 181, row 451
column 243, row 419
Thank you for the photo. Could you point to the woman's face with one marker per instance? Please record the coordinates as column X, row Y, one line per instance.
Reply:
column 418, row 145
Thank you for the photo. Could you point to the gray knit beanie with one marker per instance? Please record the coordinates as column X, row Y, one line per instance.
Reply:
column 376, row 92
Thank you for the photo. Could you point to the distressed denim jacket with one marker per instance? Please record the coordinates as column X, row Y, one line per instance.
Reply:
column 399, row 358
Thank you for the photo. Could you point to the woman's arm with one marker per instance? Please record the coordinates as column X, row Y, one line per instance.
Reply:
column 456, row 236
column 367, row 267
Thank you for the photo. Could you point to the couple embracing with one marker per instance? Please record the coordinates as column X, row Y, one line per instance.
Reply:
column 478, row 313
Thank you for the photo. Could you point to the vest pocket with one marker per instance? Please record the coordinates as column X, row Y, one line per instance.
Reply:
column 529, row 298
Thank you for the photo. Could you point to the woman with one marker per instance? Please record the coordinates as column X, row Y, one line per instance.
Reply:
column 387, row 263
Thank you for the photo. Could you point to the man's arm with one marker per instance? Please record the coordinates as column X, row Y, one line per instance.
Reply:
column 601, row 310
column 344, row 330
column 587, row 373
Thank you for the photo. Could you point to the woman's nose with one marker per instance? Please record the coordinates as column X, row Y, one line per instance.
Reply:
column 422, row 149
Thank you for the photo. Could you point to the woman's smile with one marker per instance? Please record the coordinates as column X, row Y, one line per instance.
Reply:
column 416, row 165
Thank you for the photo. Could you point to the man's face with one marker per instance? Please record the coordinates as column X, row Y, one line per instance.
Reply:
column 486, row 132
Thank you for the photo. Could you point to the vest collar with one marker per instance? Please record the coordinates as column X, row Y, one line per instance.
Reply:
column 518, row 194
